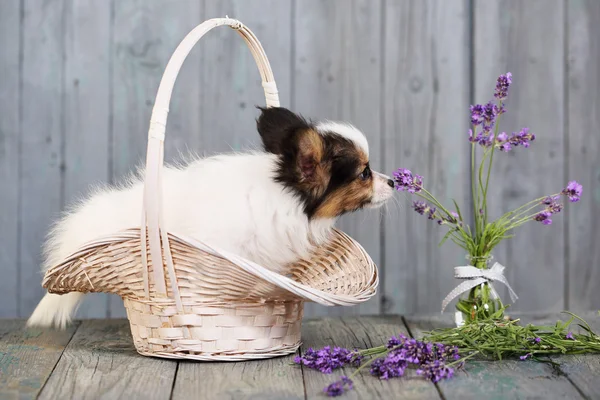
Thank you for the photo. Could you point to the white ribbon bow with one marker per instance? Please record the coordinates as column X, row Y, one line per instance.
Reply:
column 476, row 277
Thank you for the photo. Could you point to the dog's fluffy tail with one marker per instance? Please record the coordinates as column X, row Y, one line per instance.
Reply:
column 55, row 310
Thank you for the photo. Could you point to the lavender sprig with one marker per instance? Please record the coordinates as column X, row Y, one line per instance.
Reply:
column 328, row 359
column 435, row 360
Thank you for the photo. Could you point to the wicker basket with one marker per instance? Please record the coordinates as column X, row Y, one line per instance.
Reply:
column 200, row 302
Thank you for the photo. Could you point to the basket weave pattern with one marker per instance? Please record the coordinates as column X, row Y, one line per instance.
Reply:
column 200, row 302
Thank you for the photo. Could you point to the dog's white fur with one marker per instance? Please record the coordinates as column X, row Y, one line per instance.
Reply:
column 229, row 201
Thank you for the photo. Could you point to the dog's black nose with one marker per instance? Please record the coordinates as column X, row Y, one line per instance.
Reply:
column 391, row 183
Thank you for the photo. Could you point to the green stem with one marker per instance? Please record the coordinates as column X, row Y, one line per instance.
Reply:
column 487, row 180
column 429, row 197
column 518, row 210
column 463, row 359
column 474, row 194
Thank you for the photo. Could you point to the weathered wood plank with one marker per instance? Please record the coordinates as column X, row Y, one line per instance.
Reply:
column 42, row 138
column 145, row 34
column 527, row 39
column 426, row 92
column 362, row 332
column 507, row 379
column 101, row 362
column 337, row 76
column 583, row 256
column 582, row 370
column 87, row 116
column 263, row 379
column 27, row 357
column 230, row 82
column 10, row 98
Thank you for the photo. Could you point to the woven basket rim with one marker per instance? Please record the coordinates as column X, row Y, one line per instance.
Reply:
column 302, row 291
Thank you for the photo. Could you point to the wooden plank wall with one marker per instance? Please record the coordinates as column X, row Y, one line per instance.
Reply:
column 79, row 79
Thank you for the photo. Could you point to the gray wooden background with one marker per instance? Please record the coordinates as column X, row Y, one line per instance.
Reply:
column 78, row 79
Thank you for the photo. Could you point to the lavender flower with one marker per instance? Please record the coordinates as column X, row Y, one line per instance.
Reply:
column 573, row 191
column 484, row 115
column 502, row 84
column 552, row 204
column 435, row 371
column 396, row 341
column 391, row 366
column 522, row 138
column 338, row 388
column 327, row 359
column 525, row 357
column 406, row 181
column 484, row 139
column 570, row 336
column 417, row 352
column 536, row 340
column 431, row 213
column 490, row 112
column 421, row 207
column 543, row 217
column 502, row 142
column 446, row 353
column 453, row 219
column 477, row 112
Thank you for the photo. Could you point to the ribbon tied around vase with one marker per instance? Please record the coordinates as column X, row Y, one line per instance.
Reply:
column 476, row 276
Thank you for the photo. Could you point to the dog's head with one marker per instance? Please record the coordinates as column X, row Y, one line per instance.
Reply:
column 326, row 164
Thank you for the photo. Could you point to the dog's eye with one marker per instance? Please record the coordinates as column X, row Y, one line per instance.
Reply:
column 366, row 174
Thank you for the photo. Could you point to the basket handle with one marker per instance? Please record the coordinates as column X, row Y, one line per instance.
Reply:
column 152, row 217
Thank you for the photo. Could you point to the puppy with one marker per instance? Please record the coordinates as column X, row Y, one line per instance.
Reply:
column 269, row 207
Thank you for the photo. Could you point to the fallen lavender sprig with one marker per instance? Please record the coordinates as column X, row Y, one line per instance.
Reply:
column 327, row 359
column 432, row 361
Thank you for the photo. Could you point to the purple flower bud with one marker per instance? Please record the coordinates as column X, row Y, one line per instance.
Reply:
column 406, row 181
column 396, row 341
column 338, row 388
column 552, row 204
column 502, row 84
column 506, row 147
column 326, row 359
column 522, row 138
column 570, row 336
column 435, row 371
column 573, row 191
column 525, row 357
column 490, row 112
column 420, row 206
column 477, row 112
column 502, row 137
column 431, row 213
column 391, row 366
column 543, row 217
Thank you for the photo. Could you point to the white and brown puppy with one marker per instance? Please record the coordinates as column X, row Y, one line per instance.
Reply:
column 269, row 207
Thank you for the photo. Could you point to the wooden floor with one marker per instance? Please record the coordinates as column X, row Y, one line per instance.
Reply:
column 96, row 359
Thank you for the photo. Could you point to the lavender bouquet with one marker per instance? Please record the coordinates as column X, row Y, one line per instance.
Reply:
column 478, row 299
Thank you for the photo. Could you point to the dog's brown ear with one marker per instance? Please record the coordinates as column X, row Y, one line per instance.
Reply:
column 312, row 170
column 310, row 148
column 275, row 126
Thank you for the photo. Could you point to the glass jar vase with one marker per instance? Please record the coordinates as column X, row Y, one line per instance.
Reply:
column 481, row 301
